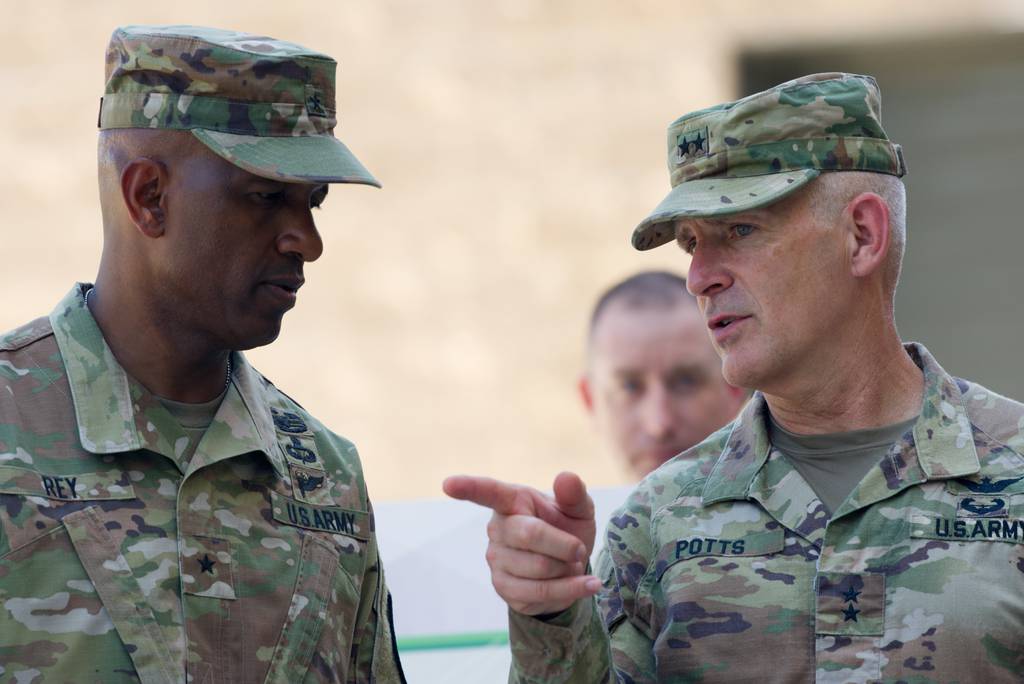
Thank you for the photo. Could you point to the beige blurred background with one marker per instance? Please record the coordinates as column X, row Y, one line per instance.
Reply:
column 518, row 143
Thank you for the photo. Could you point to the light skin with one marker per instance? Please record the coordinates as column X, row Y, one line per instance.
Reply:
column 653, row 384
column 808, row 321
column 200, row 258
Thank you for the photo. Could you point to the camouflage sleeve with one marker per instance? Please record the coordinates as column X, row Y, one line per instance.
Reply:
column 571, row 648
column 625, row 561
column 374, row 650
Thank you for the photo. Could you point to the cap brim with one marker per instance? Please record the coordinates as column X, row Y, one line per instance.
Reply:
column 294, row 159
column 718, row 196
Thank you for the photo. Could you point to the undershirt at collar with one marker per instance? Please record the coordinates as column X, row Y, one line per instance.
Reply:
column 194, row 419
column 834, row 464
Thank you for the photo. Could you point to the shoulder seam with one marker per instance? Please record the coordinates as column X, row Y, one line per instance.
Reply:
column 16, row 342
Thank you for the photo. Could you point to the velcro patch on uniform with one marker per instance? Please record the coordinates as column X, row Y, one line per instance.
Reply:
column 753, row 542
column 315, row 101
column 977, row 528
column 301, row 450
column 206, row 567
column 310, row 486
column 979, row 484
column 331, row 519
column 850, row 604
column 692, row 144
column 980, row 506
column 112, row 484
column 288, row 422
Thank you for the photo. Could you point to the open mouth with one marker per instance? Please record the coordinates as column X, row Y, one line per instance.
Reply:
column 723, row 322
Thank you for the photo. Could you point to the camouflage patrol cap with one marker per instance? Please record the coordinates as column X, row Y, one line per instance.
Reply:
column 263, row 104
column 749, row 153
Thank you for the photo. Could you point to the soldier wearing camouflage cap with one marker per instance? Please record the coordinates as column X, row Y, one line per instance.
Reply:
column 166, row 513
column 862, row 519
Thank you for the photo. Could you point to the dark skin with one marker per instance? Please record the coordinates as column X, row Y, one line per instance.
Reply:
column 199, row 258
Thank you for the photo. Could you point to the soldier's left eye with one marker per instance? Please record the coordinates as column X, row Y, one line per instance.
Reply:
column 743, row 229
column 267, row 198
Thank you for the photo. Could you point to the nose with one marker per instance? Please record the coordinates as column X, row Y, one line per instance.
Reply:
column 657, row 420
column 300, row 237
column 707, row 275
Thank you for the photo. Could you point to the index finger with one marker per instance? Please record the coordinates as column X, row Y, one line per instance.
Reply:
column 500, row 497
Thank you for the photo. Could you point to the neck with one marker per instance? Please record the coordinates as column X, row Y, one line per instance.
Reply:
column 872, row 385
column 165, row 360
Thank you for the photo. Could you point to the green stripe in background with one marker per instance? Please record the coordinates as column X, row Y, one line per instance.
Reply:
column 436, row 642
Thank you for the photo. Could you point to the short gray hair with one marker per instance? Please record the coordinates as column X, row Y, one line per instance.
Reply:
column 831, row 192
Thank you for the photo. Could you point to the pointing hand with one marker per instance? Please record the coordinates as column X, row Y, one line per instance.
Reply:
column 539, row 545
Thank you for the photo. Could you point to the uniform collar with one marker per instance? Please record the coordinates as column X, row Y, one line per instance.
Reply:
column 943, row 444
column 116, row 414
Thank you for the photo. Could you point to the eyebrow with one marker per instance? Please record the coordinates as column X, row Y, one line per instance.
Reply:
column 686, row 367
column 752, row 216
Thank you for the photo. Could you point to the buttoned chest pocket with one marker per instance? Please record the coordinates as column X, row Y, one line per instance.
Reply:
column 727, row 576
column 47, row 596
column 33, row 503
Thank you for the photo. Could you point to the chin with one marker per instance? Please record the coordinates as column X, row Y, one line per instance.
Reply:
column 740, row 372
column 255, row 336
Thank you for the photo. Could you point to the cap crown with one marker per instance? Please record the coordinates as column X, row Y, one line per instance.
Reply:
column 829, row 122
column 186, row 77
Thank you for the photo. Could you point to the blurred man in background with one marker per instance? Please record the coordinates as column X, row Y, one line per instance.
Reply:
column 166, row 513
column 653, row 382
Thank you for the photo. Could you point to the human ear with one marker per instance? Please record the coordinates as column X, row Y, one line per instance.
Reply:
column 869, row 233
column 143, row 186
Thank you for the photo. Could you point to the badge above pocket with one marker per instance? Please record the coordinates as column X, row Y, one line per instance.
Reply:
column 332, row 519
column 987, row 522
column 754, row 541
column 110, row 484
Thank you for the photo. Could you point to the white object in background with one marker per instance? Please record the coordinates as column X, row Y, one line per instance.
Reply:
column 450, row 624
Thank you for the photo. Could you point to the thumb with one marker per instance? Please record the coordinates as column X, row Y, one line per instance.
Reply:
column 572, row 498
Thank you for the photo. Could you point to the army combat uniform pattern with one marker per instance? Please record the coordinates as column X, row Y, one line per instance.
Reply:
column 254, row 561
column 727, row 568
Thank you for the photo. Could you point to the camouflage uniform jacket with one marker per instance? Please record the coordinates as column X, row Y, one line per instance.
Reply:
column 727, row 568
column 264, row 539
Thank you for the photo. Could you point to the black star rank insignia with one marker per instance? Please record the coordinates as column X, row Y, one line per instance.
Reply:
column 206, row 563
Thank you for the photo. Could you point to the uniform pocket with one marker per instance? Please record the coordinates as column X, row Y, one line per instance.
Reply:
column 318, row 565
column 33, row 503
column 732, row 575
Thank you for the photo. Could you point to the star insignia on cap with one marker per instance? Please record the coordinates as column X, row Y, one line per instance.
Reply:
column 206, row 563
column 850, row 614
column 851, row 595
